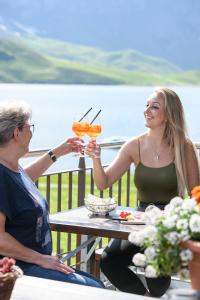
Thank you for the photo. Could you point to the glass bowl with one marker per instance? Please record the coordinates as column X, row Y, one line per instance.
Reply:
column 100, row 206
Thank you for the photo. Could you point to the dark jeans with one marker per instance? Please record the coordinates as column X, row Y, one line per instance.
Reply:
column 78, row 277
column 115, row 262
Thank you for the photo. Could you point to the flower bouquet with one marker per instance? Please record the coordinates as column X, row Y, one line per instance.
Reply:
column 164, row 240
column 9, row 272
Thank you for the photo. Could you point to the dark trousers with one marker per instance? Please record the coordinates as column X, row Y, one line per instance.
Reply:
column 115, row 262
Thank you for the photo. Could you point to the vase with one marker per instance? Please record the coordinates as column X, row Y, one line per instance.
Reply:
column 7, row 282
column 194, row 264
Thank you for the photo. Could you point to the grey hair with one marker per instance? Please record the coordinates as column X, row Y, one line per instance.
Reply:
column 13, row 114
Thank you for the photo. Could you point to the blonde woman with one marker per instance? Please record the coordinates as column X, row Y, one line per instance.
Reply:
column 166, row 165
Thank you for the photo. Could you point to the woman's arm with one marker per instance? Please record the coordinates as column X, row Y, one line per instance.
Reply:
column 105, row 178
column 192, row 166
column 10, row 247
column 38, row 167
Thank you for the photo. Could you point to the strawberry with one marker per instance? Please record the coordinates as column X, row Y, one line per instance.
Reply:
column 6, row 265
column 124, row 214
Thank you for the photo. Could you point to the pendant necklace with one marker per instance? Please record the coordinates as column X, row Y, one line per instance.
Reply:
column 156, row 152
column 157, row 156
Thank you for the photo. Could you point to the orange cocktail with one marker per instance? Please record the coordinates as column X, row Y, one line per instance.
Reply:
column 94, row 130
column 80, row 128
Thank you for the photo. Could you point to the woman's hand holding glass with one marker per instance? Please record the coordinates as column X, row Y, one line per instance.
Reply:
column 80, row 128
column 94, row 130
column 73, row 144
column 93, row 149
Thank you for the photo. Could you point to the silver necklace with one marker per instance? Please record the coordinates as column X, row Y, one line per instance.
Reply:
column 156, row 153
column 157, row 156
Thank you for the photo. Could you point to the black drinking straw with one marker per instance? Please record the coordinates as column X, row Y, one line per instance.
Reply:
column 95, row 116
column 85, row 114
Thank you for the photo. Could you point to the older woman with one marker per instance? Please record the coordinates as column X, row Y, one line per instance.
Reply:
column 166, row 164
column 24, row 228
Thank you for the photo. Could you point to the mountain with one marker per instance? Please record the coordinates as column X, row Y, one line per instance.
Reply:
column 20, row 63
column 39, row 60
column 161, row 28
column 127, row 59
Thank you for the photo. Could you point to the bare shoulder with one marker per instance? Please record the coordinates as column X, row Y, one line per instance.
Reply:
column 133, row 142
column 131, row 147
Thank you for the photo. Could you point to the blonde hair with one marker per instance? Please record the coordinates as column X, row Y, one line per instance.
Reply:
column 176, row 134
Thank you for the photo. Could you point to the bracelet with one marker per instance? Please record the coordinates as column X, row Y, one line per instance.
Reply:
column 52, row 155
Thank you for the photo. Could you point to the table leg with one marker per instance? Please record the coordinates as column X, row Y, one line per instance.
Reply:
column 86, row 249
column 83, row 244
column 88, row 253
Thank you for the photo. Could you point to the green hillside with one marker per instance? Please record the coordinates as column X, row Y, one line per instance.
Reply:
column 127, row 59
column 49, row 61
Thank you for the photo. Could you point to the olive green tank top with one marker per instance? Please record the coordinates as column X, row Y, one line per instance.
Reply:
column 156, row 185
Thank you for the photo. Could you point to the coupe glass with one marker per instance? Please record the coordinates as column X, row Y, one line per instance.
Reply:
column 94, row 130
column 80, row 128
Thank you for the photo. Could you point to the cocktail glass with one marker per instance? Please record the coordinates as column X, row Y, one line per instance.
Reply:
column 94, row 130
column 80, row 128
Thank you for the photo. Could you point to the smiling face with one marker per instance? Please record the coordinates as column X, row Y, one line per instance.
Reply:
column 27, row 135
column 154, row 112
column 22, row 136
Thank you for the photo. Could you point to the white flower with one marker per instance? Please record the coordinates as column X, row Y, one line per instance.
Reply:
column 139, row 260
column 152, row 215
column 182, row 224
column 184, row 235
column 186, row 255
column 170, row 221
column 150, row 271
column 138, row 237
column 194, row 223
column 173, row 237
column 150, row 232
column 189, row 204
column 163, row 253
column 150, row 253
column 175, row 202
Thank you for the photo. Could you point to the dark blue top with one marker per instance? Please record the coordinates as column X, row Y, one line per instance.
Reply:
column 26, row 211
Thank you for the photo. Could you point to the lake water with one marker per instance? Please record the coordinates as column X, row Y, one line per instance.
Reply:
column 55, row 107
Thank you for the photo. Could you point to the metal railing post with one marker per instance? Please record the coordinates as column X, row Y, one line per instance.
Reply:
column 81, row 181
column 81, row 196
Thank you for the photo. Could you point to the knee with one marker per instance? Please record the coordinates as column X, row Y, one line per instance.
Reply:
column 107, row 262
column 104, row 260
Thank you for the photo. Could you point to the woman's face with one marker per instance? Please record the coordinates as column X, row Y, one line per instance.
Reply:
column 154, row 111
column 26, row 135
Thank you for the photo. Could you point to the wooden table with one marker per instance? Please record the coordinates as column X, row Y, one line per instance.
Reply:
column 32, row 288
column 81, row 221
column 92, row 228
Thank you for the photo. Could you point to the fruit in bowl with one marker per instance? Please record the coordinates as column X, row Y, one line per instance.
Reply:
column 100, row 206
column 9, row 272
column 126, row 215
